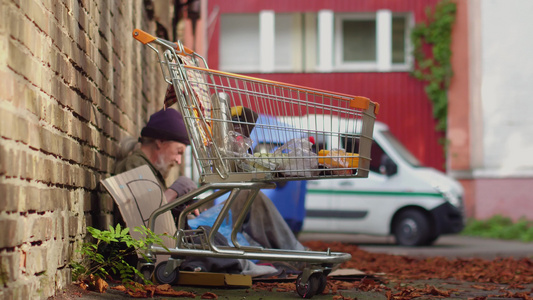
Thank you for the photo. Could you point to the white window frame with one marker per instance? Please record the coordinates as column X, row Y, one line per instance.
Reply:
column 339, row 64
column 408, row 65
column 325, row 40
column 383, row 61
column 235, row 48
column 321, row 46
column 296, row 41
column 267, row 39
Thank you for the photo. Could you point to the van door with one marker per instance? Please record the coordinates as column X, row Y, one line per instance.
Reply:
column 368, row 205
column 350, row 204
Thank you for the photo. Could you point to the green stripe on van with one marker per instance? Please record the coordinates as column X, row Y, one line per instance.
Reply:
column 374, row 193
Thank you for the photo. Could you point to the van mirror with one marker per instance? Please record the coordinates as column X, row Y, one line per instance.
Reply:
column 387, row 167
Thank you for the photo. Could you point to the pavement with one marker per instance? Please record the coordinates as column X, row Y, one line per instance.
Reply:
column 450, row 246
column 453, row 246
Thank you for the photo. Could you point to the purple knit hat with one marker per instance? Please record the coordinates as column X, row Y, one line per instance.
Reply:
column 166, row 124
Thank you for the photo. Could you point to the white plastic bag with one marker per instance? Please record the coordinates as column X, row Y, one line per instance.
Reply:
column 296, row 158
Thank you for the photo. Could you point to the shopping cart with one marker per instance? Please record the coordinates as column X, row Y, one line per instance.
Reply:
column 329, row 136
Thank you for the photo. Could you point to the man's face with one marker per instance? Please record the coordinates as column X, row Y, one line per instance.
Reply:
column 169, row 154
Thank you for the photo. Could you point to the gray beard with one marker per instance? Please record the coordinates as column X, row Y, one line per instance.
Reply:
column 162, row 167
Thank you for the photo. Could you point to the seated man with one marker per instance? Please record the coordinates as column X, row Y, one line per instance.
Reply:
column 162, row 144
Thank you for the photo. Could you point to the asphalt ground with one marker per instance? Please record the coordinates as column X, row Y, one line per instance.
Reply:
column 450, row 246
column 455, row 246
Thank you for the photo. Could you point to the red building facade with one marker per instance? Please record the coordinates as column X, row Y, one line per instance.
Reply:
column 313, row 46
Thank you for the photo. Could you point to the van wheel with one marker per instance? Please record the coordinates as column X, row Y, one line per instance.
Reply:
column 411, row 228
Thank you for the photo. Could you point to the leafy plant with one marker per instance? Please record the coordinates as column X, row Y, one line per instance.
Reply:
column 435, row 67
column 110, row 252
column 500, row 227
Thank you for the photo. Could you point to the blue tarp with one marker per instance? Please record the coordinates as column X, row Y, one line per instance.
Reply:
column 289, row 197
column 268, row 129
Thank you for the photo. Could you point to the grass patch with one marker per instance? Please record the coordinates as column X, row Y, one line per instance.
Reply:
column 499, row 227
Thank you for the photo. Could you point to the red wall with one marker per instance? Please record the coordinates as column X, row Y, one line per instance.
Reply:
column 404, row 105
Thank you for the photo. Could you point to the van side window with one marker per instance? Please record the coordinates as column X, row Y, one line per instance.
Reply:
column 376, row 154
column 350, row 143
column 317, row 147
column 320, row 143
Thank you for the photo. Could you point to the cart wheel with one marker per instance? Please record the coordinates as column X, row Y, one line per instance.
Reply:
column 310, row 289
column 160, row 277
column 147, row 274
column 322, row 282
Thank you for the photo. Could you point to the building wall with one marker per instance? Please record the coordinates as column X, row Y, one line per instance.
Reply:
column 404, row 104
column 506, row 91
column 460, row 106
column 73, row 83
column 491, row 144
column 506, row 88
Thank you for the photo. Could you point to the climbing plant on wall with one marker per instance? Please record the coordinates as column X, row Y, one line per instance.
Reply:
column 432, row 53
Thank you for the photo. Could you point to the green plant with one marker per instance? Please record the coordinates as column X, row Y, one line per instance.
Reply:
column 435, row 68
column 500, row 227
column 110, row 252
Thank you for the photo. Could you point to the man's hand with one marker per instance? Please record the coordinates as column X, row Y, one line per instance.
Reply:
column 183, row 185
column 180, row 187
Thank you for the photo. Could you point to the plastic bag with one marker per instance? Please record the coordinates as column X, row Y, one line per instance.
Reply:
column 237, row 144
column 208, row 217
column 296, row 158
column 247, row 162
column 339, row 161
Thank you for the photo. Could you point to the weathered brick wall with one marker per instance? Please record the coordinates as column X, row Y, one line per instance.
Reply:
column 73, row 83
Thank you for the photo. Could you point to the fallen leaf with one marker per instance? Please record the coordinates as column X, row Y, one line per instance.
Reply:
column 101, row 285
column 485, row 287
column 209, row 295
column 83, row 285
column 119, row 288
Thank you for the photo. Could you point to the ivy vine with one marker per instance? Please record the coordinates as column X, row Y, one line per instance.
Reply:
column 432, row 53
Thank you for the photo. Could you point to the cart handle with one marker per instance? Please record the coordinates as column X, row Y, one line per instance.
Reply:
column 145, row 38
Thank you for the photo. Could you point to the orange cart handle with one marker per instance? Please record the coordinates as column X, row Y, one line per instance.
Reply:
column 145, row 38
column 363, row 103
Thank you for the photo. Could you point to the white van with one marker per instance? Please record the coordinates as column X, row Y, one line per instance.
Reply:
column 401, row 197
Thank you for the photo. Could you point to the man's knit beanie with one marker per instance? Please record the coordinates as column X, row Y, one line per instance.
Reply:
column 166, row 124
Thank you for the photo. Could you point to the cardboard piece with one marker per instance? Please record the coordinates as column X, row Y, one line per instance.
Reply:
column 214, row 279
column 339, row 274
column 350, row 275
column 137, row 194
column 347, row 272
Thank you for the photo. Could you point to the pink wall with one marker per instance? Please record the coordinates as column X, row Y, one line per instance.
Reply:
column 459, row 94
column 508, row 197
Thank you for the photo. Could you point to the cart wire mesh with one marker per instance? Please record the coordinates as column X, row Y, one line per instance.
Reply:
column 250, row 129
column 266, row 130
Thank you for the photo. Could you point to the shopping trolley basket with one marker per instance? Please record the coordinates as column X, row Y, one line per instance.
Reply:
column 314, row 134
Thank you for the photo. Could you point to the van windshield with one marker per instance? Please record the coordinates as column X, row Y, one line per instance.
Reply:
column 404, row 153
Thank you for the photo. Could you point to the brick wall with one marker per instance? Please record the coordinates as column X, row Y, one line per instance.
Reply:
column 73, row 83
